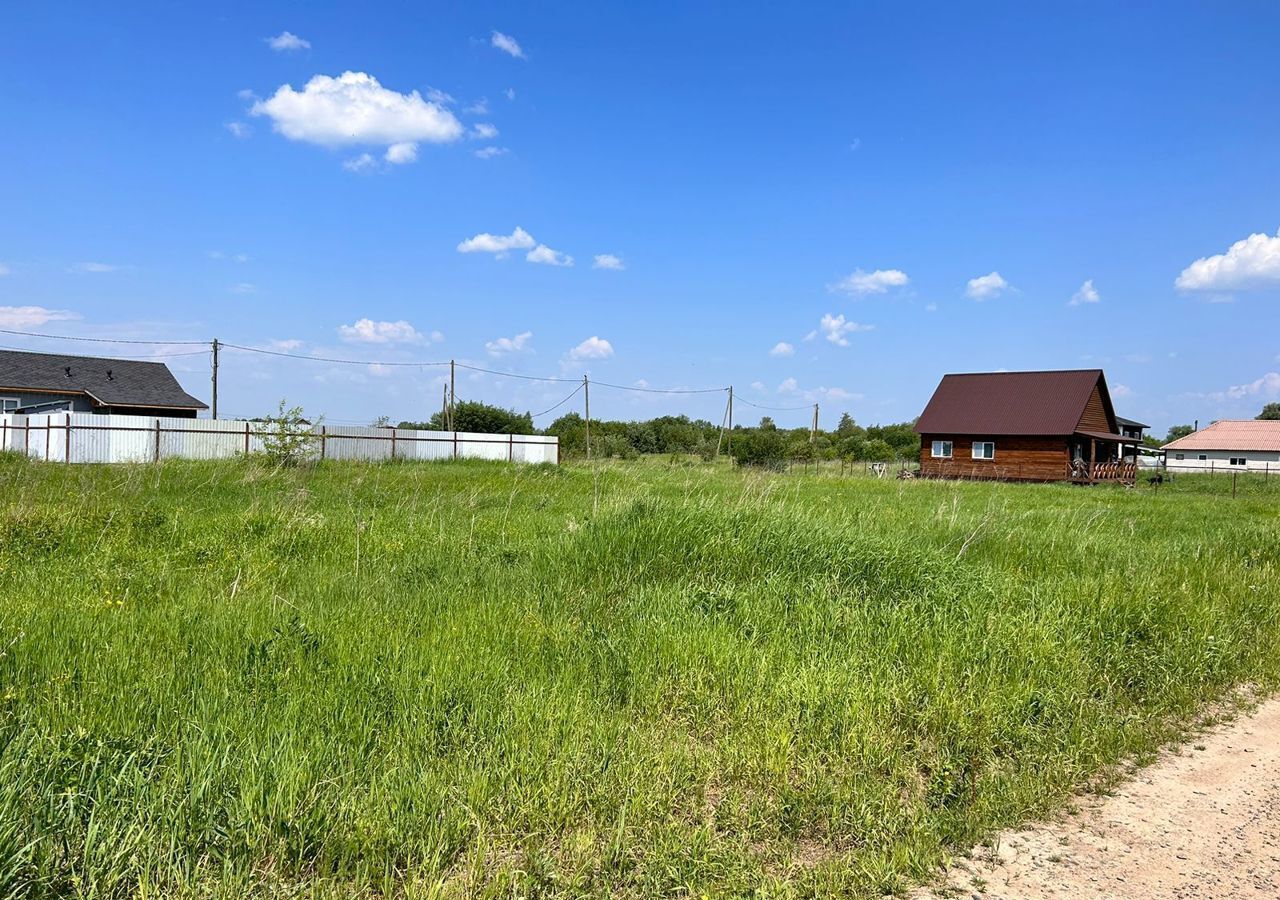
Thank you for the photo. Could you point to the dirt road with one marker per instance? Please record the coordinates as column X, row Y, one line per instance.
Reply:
column 1201, row 823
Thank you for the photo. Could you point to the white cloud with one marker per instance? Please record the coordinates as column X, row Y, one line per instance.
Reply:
column 30, row 316
column 545, row 255
column 359, row 163
column 399, row 154
column 1250, row 263
column 757, row 385
column 437, row 337
column 479, row 108
column 367, row 331
column 835, row 329
column 507, row 44
column 239, row 129
column 1087, row 294
column 788, row 386
column 811, row 336
column 490, row 152
column 931, row 307
column 234, row 257
column 608, row 261
column 286, row 41
column 355, row 109
column 1121, row 390
column 497, row 244
column 510, row 93
column 444, row 98
column 502, row 345
column 860, row 283
column 284, row 345
column 1266, row 386
column 96, row 268
column 592, row 348
column 985, row 287
column 485, row 131
column 243, row 287
column 782, row 348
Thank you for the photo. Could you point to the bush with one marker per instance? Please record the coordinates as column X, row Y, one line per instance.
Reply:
column 288, row 438
column 766, row 448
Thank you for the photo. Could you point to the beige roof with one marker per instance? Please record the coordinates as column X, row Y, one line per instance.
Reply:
column 1232, row 434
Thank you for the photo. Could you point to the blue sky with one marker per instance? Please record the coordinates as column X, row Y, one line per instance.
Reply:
column 835, row 204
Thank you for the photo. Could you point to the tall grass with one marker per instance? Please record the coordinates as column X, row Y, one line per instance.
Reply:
column 467, row 679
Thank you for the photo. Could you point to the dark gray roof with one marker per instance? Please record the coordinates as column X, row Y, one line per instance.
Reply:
column 108, row 382
column 1121, row 420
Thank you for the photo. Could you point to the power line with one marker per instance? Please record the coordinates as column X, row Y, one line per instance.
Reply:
column 514, row 375
column 331, row 359
column 775, row 408
column 156, row 356
column 89, row 340
column 649, row 390
column 417, row 364
column 561, row 403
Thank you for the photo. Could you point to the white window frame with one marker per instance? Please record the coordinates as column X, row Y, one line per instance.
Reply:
column 946, row 446
column 984, row 445
column 5, row 401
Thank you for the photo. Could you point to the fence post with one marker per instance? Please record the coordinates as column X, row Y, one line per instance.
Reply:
column 393, row 443
column 67, row 460
column 26, row 438
column 1233, row 485
column 324, row 439
column 48, row 420
column 246, row 438
column 157, row 440
column 511, row 448
column 455, row 443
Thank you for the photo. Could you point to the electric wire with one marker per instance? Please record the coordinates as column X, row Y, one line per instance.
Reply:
column 561, row 403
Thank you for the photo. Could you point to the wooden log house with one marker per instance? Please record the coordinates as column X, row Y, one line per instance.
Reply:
column 1025, row 426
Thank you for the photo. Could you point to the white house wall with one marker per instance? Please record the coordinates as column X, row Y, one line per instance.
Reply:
column 1220, row 461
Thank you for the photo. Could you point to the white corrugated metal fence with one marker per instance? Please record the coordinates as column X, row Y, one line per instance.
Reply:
column 91, row 438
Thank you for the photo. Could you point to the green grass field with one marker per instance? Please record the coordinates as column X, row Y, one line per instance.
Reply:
column 464, row 679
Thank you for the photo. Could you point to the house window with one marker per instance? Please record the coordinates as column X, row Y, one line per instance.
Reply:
column 1238, row 461
column 941, row 449
column 1202, row 457
column 8, row 404
column 984, row 450
column 1177, row 456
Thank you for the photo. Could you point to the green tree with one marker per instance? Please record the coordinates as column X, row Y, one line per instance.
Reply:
column 766, row 448
column 480, row 418
column 1270, row 411
column 1178, row 431
column 847, row 427
column 288, row 437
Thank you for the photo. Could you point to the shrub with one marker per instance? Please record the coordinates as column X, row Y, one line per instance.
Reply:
column 288, row 438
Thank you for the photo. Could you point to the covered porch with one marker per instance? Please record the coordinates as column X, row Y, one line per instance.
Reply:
column 1098, row 456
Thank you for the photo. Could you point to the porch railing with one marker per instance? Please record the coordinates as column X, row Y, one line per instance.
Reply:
column 1112, row 470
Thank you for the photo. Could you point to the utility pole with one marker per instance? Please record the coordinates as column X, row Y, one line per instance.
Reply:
column 453, row 399
column 586, row 399
column 729, row 440
column 215, row 378
column 444, row 408
column 720, row 437
column 813, row 432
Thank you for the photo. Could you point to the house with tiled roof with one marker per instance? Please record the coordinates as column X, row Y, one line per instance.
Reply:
column 34, row 383
column 1026, row 426
column 1227, row 445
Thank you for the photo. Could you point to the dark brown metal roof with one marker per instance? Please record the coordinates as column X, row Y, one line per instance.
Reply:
column 993, row 403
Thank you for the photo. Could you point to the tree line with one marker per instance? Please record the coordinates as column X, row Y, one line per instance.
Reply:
column 761, row 444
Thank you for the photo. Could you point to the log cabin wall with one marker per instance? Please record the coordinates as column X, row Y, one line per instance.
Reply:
column 1094, row 417
column 1018, row 458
